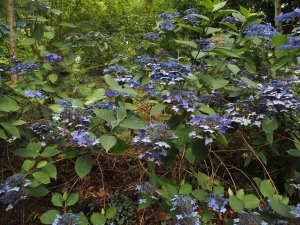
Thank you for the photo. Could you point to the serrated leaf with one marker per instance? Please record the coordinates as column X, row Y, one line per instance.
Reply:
column 236, row 204
column 185, row 189
column 266, row 188
column 111, row 212
column 132, row 123
column 108, row 141
column 49, row 216
column 98, row 219
column 219, row 83
column 28, row 164
column 280, row 208
column 8, row 104
column 83, row 165
column 51, row 170
column 157, row 109
column 11, row 128
column 57, row 199
column 250, row 201
column 188, row 43
column 72, row 199
column 53, row 77
column 41, row 177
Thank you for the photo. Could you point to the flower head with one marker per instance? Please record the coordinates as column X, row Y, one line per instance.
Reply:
column 191, row 11
column 231, row 19
column 114, row 93
column 25, row 67
column 293, row 42
column 169, row 15
column 217, row 203
column 167, row 25
column 191, row 20
column 287, row 17
column 83, row 139
column 296, row 212
column 185, row 209
column 52, row 58
column 261, row 30
column 66, row 219
column 151, row 37
column 34, row 94
column 13, row 190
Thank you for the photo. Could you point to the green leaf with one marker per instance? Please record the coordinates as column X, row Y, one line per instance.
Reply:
column 204, row 181
column 281, row 62
column 8, row 104
column 72, row 199
column 83, row 165
column 49, row 216
column 27, row 41
column 294, row 152
column 105, row 114
column 111, row 82
column 39, row 191
column 28, row 164
column 266, row 188
column 225, row 52
column 11, row 128
column 250, row 201
column 236, row 204
column 219, row 83
column 53, row 77
column 133, row 123
column 51, row 170
column 71, row 25
column 188, row 43
column 250, row 66
column 200, row 194
column 121, row 114
column 108, row 141
column 206, row 109
column 219, row 6
column 41, row 177
column 234, row 68
column 111, row 212
column 197, row 54
column 201, row 16
column 41, row 164
column 280, row 208
column 269, row 125
column 157, row 109
column 185, row 189
column 208, row 4
column 82, row 219
column 249, row 82
column 199, row 150
column 57, row 199
column 50, row 151
column 98, row 219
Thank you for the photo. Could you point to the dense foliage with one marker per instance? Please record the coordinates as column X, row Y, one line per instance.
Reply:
column 195, row 121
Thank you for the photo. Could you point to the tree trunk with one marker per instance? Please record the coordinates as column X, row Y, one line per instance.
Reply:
column 11, row 38
column 277, row 13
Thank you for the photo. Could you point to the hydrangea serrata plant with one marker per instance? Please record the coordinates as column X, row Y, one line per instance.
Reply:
column 13, row 190
column 207, row 125
column 153, row 140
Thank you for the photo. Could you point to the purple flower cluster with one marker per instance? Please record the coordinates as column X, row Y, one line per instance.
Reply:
column 249, row 219
column 115, row 93
column 205, row 125
column 182, row 100
column 169, row 15
column 44, row 130
column 74, row 122
column 244, row 113
column 261, row 30
column 204, row 44
column 185, row 209
column 146, row 189
column 277, row 96
column 129, row 80
column 13, row 190
column 143, row 60
column 191, row 20
column 66, row 219
column 167, row 25
column 52, row 58
column 231, row 19
column 293, row 42
column 25, row 67
column 83, row 138
column 168, row 73
column 151, row 37
column 153, row 139
column 115, row 69
column 296, row 212
column 217, row 203
column 287, row 17
column 191, row 11
column 34, row 94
